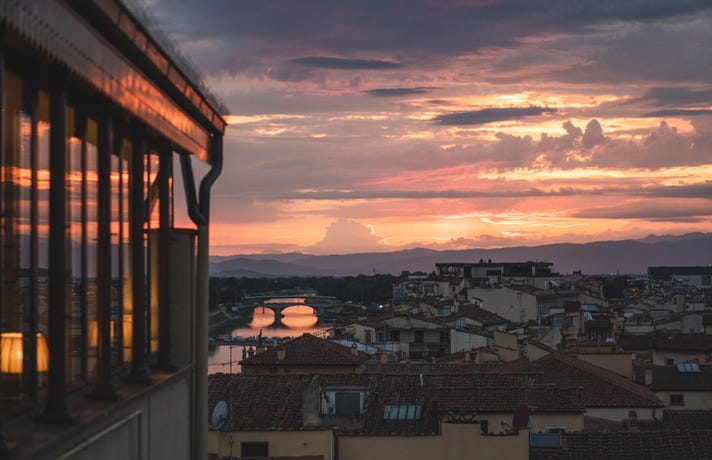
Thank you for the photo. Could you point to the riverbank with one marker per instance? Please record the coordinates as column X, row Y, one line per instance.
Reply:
column 222, row 322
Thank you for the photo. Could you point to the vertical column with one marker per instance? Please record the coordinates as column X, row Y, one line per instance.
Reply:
column 164, row 325
column 139, row 371
column 56, row 408
column 104, row 388
column 5, row 447
column 118, row 143
column 30, row 339
column 202, row 299
column 84, row 347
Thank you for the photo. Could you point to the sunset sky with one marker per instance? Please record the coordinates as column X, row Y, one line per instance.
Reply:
column 382, row 125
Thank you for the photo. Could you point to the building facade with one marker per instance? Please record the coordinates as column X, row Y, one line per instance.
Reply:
column 103, row 304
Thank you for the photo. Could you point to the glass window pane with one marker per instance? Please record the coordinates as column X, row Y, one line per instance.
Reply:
column 92, row 235
column 74, row 235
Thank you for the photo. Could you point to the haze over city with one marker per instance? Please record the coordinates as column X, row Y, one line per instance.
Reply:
column 375, row 126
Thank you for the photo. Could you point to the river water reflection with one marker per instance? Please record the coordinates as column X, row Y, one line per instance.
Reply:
column 297, row 320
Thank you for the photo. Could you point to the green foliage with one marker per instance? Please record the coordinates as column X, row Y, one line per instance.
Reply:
column 223, row 323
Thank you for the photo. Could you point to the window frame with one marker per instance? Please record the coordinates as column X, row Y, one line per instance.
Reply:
column 676, row 399
column 254, row 449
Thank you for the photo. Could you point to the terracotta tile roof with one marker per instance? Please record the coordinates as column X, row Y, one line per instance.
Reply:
column 687, row 419
column 381, row 316
column 669, row 378
column 260, row 402
column 425, row 368
column 601, row 387
column 696, row 343
column 541, row 346
column 500, row 393
column 475, row 330
column 604, row 425
column 307, row 350
column 434, row 302
column 394, row 390
column 672, row 420
column 438, row 322
column 270, row 402
column 630, row 445
column 460, row 359
column 486, row 318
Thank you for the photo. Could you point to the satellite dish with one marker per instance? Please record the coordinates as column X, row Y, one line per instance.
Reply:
column 219, row 415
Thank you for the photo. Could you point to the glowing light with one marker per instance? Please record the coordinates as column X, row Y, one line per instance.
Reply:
column 11, row 353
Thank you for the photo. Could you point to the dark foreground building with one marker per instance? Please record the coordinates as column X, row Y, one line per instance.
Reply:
column 102, row 301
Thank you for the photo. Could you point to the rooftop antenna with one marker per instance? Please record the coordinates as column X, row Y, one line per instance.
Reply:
column 232, row 419
column 219, row 415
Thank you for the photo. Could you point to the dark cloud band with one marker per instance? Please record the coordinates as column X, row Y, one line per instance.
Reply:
column 397, row 92
column 484, row 116
column 678, row 113
column 346, row 64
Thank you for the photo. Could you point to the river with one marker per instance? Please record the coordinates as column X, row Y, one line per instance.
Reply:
column 297, row 320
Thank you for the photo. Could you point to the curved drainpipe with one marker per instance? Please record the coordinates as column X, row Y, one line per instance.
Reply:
column 189, row 188
column 199, row 213
column 210, row 178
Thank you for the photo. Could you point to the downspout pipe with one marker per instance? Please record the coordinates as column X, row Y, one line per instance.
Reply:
column 199, row 212
column 207, row 183
column 189, row 188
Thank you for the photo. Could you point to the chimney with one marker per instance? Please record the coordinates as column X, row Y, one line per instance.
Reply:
column 281, row 353
column 383, row 359
column 648, row 376
column 311, row 395
column 520, row 420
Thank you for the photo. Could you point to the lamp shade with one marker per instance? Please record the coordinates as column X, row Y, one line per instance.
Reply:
column 128, row 330
column 11, row 353
column 42, row 354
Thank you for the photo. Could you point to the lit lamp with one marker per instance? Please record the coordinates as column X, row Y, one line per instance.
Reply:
column 94, row 334
column 127, row 329
column 11, row 353
column 128, row 336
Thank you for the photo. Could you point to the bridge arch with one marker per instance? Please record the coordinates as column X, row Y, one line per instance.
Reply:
column 278, row 310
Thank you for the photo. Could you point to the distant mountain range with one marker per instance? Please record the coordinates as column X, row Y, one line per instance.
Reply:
column 624, row 257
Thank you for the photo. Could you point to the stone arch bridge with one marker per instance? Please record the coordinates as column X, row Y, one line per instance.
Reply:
column 320, row 304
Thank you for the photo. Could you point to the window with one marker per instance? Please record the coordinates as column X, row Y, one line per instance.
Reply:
column 677, row 400
column 444, row 336
column 669, row 362
column 633, row 415
column 347, row 402
column 419, row 336
column 688, row 368
column 254, row 450
column 28, row 230
column 402, row 412
column 484, row 427
column 343, row 401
